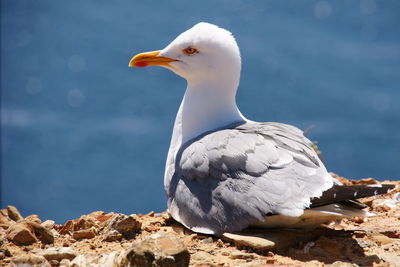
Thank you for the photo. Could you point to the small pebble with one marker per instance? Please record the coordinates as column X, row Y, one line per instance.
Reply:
column 225, row 253
column 207, row 240
column 357, row 219
column 220, row 243
column 151, row 228
column 150, row 214
column 54, row 262
column 243, row 256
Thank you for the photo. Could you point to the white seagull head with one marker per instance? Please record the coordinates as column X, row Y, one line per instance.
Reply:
column 203, row 54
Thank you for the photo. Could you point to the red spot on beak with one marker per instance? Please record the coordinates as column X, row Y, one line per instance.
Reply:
column 141, row 64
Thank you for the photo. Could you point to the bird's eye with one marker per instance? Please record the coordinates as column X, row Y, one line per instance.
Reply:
column 189, row 51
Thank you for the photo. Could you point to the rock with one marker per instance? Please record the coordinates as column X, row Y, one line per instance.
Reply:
column 326, row 247
column 159, row 250
column 95, row 214
column 6, row 252
column 357, row 219
column 341, row 264
column 85, row 234
column 307, row 247
column 48, row 224
column 20, row 234
column 81, row 260
column 5, row 221
column 14, row 214
column 383, row 204
column 30, row 260
column 3, row 237
column 241, row 255
column 112, row 235
column 392, row 233
column 365, row 181
column 59, row 254
column 114, row 259
column 67, row 228
column 151, row 228
column 33, row 218
column 208, row 240
column 65, row 263
column 380, row 239
column 259, row 263
column 84, row 222
column 44, row 234
column 150, row 214
column 202, row 257
column 225, row 253
column 250, row 241
column 126, row 225
column 271, row 239
column 104, row 217
column 54, row 263
column 55, row 233
column 393, row 260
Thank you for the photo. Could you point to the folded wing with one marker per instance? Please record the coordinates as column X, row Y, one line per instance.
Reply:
column 228, row 179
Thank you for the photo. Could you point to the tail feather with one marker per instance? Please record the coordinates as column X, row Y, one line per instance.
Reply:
column 312, row 218
column 340, row 193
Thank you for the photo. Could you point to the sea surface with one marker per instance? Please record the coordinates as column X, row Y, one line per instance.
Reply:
column 80, row 131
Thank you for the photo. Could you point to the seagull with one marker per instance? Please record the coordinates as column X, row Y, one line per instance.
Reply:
column 225, row 172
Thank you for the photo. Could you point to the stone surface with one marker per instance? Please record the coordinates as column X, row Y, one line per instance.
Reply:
column 64, row 263
column 85, row 234
column 81, row 260
column 14, row 214
column 45, row 235
column 342, row 264
column 381, row 239
column 201, row 257
column 250, row 240
column 83, row 223
column 241, row 255
column 5, row 221
column 393, row 260
column 67, row 228
column 126, row 225
column 30, row 260
column 33, row 218
column 48, row 224
column 112, row 235
column 58, row 254
column 3, row 237
column 20, row 234
column 372, row 241
column 159, row 250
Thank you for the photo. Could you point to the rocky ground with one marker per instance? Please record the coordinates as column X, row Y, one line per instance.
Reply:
column 113, row 239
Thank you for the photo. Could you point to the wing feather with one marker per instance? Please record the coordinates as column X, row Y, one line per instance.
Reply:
column 230, row 178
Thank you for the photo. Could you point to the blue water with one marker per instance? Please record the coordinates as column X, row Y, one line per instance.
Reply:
column 83, row 132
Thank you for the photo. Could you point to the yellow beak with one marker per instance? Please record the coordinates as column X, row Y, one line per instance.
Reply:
column 150, row 59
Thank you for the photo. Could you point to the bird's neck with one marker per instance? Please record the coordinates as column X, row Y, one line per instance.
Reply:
column 205, row 106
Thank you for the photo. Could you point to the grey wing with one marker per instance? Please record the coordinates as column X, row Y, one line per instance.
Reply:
column 231, row 178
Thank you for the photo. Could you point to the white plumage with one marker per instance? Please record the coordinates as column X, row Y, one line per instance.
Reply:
column 223, row 171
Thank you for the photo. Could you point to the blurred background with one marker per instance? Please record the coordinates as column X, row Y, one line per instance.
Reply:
column 80, row 131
